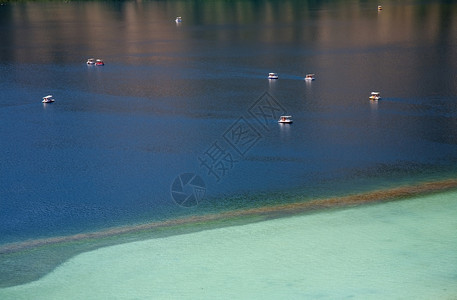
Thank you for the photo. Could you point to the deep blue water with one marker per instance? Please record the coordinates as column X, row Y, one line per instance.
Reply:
column 172, row 95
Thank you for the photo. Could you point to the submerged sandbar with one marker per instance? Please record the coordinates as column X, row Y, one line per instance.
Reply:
column 398, row 250
column 267, row 211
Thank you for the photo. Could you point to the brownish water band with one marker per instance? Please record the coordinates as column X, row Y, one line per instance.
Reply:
column 290, row 208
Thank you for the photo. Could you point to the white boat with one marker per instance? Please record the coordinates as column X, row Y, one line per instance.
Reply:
column 48, row 99
column 285, row 119
column 272, row 76
column 309, row 77
column 99, row 62
column 91, row 61
column 375, row 96
column 379, row 7
column 178, row 19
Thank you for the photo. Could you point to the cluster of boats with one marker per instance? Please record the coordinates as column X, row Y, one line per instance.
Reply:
column 90, row 62
column 308, row 77
column 283, row 119
column 375, row 96
column 95, row 62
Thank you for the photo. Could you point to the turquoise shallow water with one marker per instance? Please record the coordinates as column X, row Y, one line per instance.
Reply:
column 397, row 250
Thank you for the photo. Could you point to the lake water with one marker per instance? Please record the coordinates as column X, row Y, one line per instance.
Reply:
column 191, row 101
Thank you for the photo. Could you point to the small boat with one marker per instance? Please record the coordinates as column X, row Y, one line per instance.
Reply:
column 375, row 96
column 309, row 77
column 272, row 76
column 285, row 119
column 379, row 7
column 99, row 62
column 48, row 99
column 178, row 19
column 91, row 61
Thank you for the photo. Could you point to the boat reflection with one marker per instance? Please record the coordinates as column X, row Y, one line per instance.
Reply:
column 374, row 105
column 284, row 130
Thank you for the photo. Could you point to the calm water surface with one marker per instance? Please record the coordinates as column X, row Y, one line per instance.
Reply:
column 171, row 95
